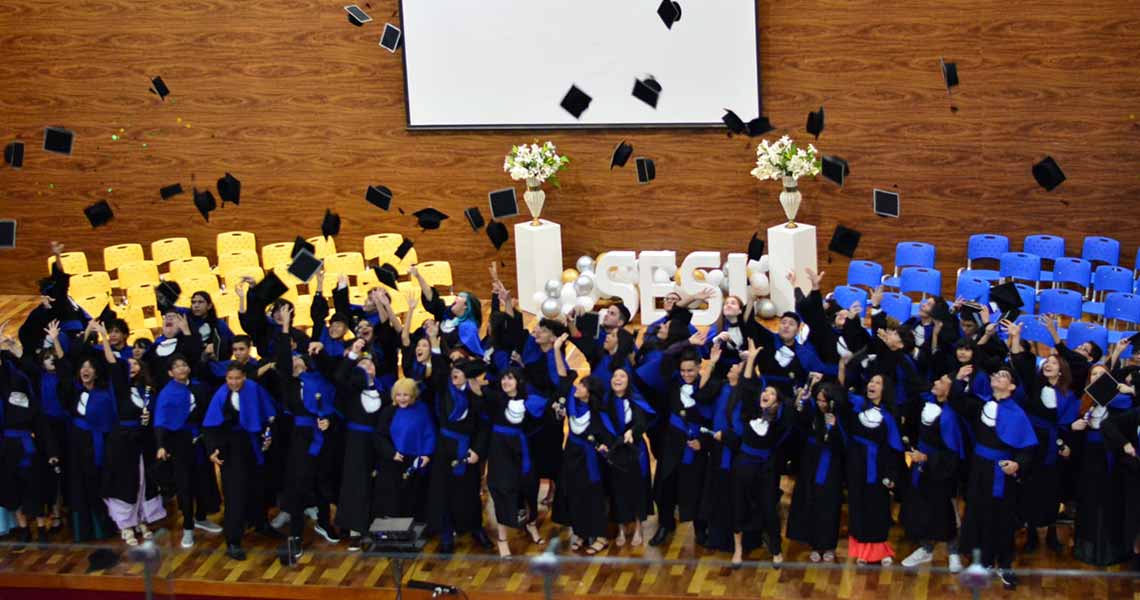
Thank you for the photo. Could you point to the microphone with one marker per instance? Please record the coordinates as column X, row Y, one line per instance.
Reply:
column 436, row 589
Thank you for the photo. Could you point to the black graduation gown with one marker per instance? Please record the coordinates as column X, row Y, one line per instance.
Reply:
column 928, row 510
column 1099, row 528
column 189, row 346
column 580, row 498
column 869, row 503
column 189, row 470
column 355, row 507
column 628, row 484
column 511, row 489
column 128, row 444
column 85, row 474
column 241, row 476
column 679, row 477
column 454, row 504
column 756, row 469
column 545, row 437
column 1120, row 429
column 817, row 498
column 1040, row 498
column 27, row 444
column 716, row 504
column 400, row 490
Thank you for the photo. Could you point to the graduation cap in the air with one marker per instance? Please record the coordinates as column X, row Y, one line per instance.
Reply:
column 205, row 203
column 1007, row 299
column 474, row 218
column 1103, row 390
column 472, row 368
column 268, row 289
column 497, row 233
column 815, row 122
column 304, row 265
column 101, row 560
column 58, row 140
column 647, row 90
column 646, row 170
column 170, row 191
column 229, row 188
column 99, row 214
column 949, row 73
column 941, row 310
column 576, row 101
column 404, row 248
column 379, row 196
column 166, row 293
column 755, row 248
column 158, row 86
column 758, row 126
column 301, row 244
column 504, row 203
column 670, row 12
column 1135, row 342
column 844, row 241
column 14, row 154
column 8, row 233
column 429, row 218
column 387, row 275
column 733, row 121
column 1048, row 173
column 835, row 169
column 356, row 15
column 330, row 226
column 621, row 155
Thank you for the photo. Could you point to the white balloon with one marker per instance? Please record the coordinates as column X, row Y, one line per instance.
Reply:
column 539, row 297
column 552, row 287
column 551, row 308
column 567, row 308
column 568, row 295
column 754, row 266
column 767, row 308
column 584, row 284
column 764, row 263
column 671, row 269
column 585, row 302
column 660, row 276
column 760, row 284
column 585, row 264
column 724, row 285
column 714, row 277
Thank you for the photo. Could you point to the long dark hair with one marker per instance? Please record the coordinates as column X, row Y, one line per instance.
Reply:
column 519, row 376
column 596, row 390
column 211, row 315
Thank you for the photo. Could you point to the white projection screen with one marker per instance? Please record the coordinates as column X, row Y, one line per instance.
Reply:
column 506, row 64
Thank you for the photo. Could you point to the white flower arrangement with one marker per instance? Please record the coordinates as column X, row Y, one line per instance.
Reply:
column 534, row 162
column 784, row 159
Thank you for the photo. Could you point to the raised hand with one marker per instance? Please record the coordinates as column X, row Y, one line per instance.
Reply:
column 52, row 330
column 558, row 343
column 698, row 338
column 965, row 372
column 814, row 277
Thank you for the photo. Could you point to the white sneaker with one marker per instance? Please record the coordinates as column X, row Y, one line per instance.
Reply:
column 145, row 532
column 187, row 538
column 886, row 562
column 955, row 563
column 280, row 520
column 208, row 526
column 311, row 512
column 128, row 536
column 919, row 557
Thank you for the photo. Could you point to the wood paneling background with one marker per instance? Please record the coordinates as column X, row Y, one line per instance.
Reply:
column 307, row 111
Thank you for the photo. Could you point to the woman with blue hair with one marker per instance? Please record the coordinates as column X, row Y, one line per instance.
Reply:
column 459, row 323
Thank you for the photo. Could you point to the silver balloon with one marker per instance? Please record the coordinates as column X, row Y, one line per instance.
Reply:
column 584, row 284
column 553, row 287
column 551, row 308
column 585, row 264
column 767, row 308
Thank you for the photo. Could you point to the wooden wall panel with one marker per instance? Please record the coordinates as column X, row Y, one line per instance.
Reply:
column 307, row 111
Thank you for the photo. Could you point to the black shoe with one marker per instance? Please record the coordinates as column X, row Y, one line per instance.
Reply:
column 327, row 531
column 296, row 551
column 660, row 537
column 481, row 538
column 42, row 536
column 447, row 547
column 235, row 552
column 354, row 543
column 1008, row 578
column 269, row 532
column 700, row 536
column 1052, row 542
column 23, row 537
column 1031, row 541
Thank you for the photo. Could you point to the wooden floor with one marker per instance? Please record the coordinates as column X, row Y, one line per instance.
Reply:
column 676, row 570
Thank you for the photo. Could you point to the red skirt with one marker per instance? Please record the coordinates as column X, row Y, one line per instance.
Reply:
column 868, row 552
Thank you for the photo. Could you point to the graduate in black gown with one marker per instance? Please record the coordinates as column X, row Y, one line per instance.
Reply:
column 539, row 366
column 235, row 426
column 1004, row 442
column 511, row 477
column 929, row 512
column 629, row 416
column 360, row 399
column 1122, row 435
column 406, row 443
column 818, row 494
column 41, row 368
column 720, row 377
column 179, row 408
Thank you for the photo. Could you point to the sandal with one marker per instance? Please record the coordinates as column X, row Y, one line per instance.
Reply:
column 814, row 556
column 504, row 548
column 575, row 544
column 594, row 548
column 829, row 556
column 535, row 537
column 620, row 540
column 636, row 540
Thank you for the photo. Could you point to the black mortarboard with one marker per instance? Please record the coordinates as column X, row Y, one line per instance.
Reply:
column 1103, row 390
column 844, row 241
column 815, row 123
column 204, row 201
column 330, row 226
column 159, row 87
column 835, row 169
column 170, row 191
column 99, row 213
column 497, row 232
column 300, row 244
column 101, row 560
column 268, row 289
column 379, row 196
column 403, row 249
column 576, row 101
column 1135, row 341
column 14, row 154
column 670, row 12
column 1048, row 173
column 387, row 275
column 647, row 90
column 166, row 293
column 390, row 39
column 646, row 170
column 472, row 368
column 733, row 121
column 759, row 126
column 755, row 248
column 429, row 218
column 949, row 73
column 941, row 310
column 229, row 189
column 356, row 16
column 885, row 203
column 58, row 140
column 504, row 203
column 8, row 233
column 304, row 265
column 621, row 155
column 1007, row 299
column 474, row 217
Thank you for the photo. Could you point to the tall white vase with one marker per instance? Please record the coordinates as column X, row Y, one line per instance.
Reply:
column 790, row 199
column 534, row 198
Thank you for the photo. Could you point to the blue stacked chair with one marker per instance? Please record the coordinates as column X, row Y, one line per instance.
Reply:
column 1028, row 298
column 1021, row 265
column 1073, row 270
column 1048, row 247
column 1101, row 249
column 984, row 246
column 896, row 305
column 1065, row 303
column 1136, row 272
column 1120, row 306
column 846, row 295
column 973, row 289
column 866, row 273
column 1083, row 331
column 928, row 282
column 1033, row 330
column 910, row 254
column 1107, row 278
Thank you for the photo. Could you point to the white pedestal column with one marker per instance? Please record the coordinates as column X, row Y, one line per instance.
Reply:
column 538, row 258
column 790, row 250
